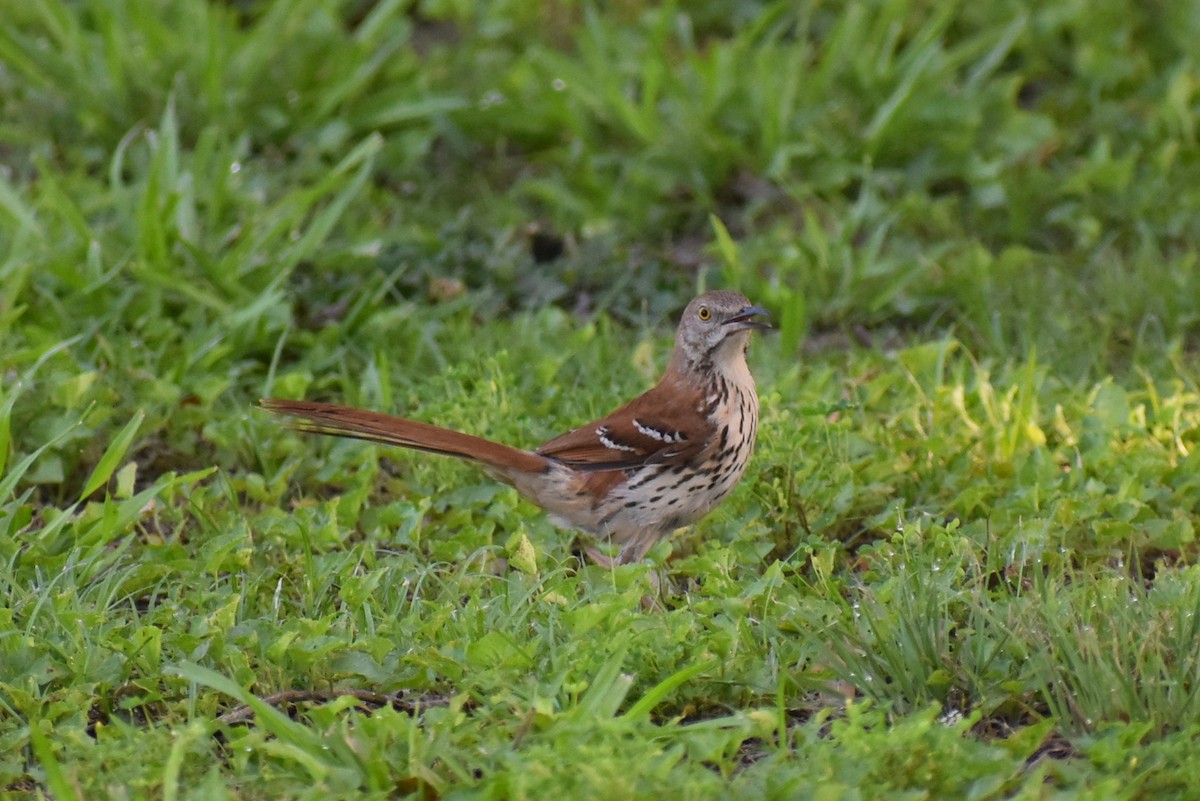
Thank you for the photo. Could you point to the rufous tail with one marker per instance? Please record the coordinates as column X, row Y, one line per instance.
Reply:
column 344, row 421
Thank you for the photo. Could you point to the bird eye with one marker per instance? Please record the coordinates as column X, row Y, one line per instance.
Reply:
column 704, row 313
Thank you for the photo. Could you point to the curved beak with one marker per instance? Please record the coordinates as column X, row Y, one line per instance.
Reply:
column 744, row 320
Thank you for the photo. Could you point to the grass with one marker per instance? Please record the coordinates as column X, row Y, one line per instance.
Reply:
column 963, row 562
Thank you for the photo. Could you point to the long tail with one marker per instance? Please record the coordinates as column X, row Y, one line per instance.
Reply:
column 344, row 421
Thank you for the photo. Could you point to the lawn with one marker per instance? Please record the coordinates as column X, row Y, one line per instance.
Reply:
column 962, row 563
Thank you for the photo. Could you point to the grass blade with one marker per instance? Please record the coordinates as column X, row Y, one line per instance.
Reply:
column 658, row 692
column 56, row 778
column 112, row 456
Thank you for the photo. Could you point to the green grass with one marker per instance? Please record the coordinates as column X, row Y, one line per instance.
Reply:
column 963, row 561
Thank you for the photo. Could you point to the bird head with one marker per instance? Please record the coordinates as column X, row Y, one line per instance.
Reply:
column 715, row 329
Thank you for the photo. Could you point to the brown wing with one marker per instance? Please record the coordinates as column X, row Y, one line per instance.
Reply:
column 667, row 425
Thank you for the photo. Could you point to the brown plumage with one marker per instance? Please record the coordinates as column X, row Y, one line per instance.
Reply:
column 661, row 461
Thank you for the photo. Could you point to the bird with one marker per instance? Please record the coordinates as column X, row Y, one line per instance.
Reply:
column 660, row 462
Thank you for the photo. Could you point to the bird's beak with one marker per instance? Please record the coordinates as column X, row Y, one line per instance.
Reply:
column 744, row 320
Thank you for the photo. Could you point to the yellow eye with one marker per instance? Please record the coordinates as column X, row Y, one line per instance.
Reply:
column 704, row 314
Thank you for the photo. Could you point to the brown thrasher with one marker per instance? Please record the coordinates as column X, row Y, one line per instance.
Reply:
column 659, row 462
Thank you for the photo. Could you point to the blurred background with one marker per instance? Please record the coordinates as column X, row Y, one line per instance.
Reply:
column 1025, row 176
